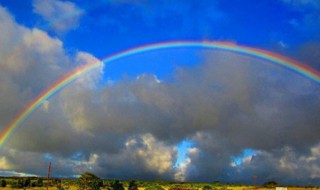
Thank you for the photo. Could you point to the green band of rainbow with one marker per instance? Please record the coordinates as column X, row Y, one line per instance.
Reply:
column 277, row 59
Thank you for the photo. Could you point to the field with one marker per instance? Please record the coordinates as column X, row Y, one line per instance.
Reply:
column 72, row 184
column 166, row 188
column 142, row 188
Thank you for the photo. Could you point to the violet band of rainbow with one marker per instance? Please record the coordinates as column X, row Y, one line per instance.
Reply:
column 275, row 58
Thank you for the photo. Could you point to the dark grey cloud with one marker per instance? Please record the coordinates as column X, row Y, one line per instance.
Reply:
column 309, row 53
column 224, row 105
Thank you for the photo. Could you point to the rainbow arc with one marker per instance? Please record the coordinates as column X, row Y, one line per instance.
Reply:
column 277, row 59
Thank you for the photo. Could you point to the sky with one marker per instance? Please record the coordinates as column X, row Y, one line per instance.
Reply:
column 178, row 114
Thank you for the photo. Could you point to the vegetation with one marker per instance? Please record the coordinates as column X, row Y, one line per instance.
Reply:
column 3, row 183
column 207, row 187
column 270, row 184
column 116, row 185
column 133, row 185
column 154, row 187
column 89, row 181
column 39, row 182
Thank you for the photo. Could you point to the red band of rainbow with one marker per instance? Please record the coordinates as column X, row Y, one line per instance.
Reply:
column 277, row 59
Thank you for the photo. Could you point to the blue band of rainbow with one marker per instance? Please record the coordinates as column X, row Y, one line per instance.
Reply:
column 277, row 59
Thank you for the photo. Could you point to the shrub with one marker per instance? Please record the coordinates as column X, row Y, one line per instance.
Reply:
column 89, row 181
column 207, row 187
column 116, row 185
column 270, row 184
column 133, row 185
column 154, row 187
column 3, row 183
column 39, row 182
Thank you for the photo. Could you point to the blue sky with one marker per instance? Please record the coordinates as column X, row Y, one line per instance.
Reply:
column 176, row 114
column 124, row 24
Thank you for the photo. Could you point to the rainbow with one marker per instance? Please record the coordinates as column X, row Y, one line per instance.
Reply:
column 277, row 59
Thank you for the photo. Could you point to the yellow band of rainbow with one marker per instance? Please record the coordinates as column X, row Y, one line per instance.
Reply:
column 277, row 59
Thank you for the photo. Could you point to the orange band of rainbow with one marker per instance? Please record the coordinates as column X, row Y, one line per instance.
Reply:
column 277, row 59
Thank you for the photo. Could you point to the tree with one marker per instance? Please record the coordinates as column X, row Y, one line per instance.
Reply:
column 132, row 185
column 207, row 187
column 26, row 182
column 40, row 182
column 3, row 183
column 116, row 185
column 20, row 183
column 58, row 183
column 89, row 181
column 33, row 184
column 217, row 183
column 270, row 184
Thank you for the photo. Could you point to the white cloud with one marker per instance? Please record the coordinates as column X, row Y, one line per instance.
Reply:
column 156, row 155
column 30, row 62
column 184, row 168
column 61, row 15
column 10, row 173
column 90, row 79
column 4, row 164
column 181, row 171
column 80, row 166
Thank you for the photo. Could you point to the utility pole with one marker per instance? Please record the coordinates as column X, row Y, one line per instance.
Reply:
column 254, row 178
column 48, row 179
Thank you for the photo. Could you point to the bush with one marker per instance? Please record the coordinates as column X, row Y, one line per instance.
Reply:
column 132, row 185
column 33, row 184
column 154, row 187
column 270, row 184
column 3, row 183
column 39, row 182
column 26, row 182
column 14, row 184
column 116, row 185
column 89, row 181
column 207, row 187
column 20, row 183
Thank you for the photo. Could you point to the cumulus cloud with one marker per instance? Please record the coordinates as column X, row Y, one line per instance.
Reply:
column 60, row 15
column 26, row 51
column 31, row 61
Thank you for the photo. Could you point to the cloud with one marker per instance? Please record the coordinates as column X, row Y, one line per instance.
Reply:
column 308, row 21
column 224, row 105
column 309, row 53
column 283, row 165
column 31, row 61
column 185, row 168
column 4, row 164
column 302, row 4
column 62, row 16
column 156, row 155
column 26, row 51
